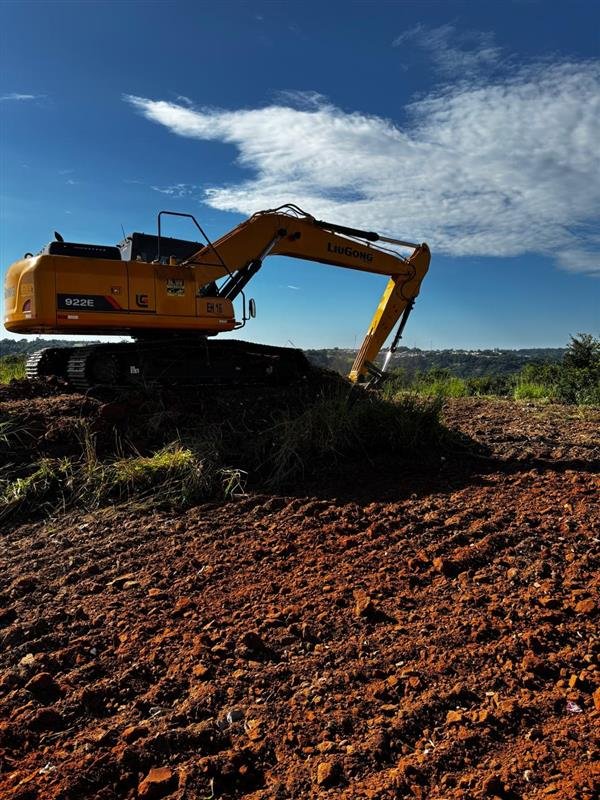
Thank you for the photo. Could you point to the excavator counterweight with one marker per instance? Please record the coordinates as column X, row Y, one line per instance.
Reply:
column 165, row 294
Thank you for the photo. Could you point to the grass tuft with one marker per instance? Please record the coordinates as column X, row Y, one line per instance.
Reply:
column 12, row 368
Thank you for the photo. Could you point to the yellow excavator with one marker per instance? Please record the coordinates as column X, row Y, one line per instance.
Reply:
column 172, row 296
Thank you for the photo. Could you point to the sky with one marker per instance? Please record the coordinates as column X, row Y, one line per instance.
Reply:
column 473, row 126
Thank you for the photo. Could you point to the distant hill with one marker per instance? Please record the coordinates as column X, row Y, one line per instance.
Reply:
column 462, row 363
column 17, row 347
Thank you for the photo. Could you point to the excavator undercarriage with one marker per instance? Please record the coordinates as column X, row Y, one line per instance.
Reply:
column 183, row 363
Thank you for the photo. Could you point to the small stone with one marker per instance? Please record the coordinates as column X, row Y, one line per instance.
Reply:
column 159, row 782
column 121, row 579
column 364, row 605
column 42, row 683
column 254, row 729
column 46, row 719
column 585, row 606
column 253, row 641
column 532, row 663
column 134, row 732
column 201, row 671
column 494, row 787
column 596, row 698
column 327, row 773
column 454, row 716
column 445, row 567
column 182, row 604
column 548, row 601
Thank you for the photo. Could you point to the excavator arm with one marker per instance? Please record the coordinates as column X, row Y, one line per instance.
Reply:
column 288, row 231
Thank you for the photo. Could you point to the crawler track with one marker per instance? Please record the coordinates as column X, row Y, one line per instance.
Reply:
column 169, row 362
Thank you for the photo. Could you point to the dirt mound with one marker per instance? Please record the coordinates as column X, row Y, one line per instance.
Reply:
column 425, row 632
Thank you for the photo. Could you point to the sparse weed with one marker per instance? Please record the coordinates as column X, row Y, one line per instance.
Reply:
column 529, row 390
column 12, row 368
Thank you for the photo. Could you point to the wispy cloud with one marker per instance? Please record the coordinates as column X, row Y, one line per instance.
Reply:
column 17, row 96
column 298, row 98
column 454, row 52
column 295, row 288
column 176, row 190
column 484, row 168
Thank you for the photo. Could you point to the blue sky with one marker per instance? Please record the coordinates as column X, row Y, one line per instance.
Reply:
column 474, row 126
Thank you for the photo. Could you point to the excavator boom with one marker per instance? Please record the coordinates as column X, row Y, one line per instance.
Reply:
column 304, row 237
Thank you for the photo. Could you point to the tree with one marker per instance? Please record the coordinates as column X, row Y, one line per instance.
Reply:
column 583, row 352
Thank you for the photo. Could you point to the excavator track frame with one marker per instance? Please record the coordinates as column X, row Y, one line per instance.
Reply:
column 182, row 363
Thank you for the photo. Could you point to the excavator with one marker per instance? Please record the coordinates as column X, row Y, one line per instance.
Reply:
column 173, row 296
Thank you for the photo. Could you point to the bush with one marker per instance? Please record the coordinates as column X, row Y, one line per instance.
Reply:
column 12, row 368
column 529, row 390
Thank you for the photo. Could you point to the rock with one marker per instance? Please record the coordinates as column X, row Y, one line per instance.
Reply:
column 328, row 773
column 159, row 782
column 42, row 683
column 326, row 747
column 253, row 641
column 454, row 716
column 134, row 732
column 585, row 606
column 201, row 671
column 364, row 605
column 596, row 699
column 445, row 566
column 493, row 787
column 118, row 582
column 254, row 729
column 46, row 719
column 182, row 604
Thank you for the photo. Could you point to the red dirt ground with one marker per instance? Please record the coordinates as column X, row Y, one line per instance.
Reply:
column 395, row 632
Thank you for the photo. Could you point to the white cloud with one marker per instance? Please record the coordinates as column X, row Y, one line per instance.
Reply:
column 18, row 96
column 489, row 168
column 454, row 52
column 176, row 190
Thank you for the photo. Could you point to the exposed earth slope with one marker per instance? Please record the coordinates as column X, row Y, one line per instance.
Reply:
column 388, row 632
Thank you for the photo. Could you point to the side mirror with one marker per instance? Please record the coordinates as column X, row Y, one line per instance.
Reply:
column 252, row 307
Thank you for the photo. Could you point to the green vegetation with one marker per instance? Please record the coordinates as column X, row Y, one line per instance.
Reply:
column 574, row 381
column 304, row 435
column 11, row 368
